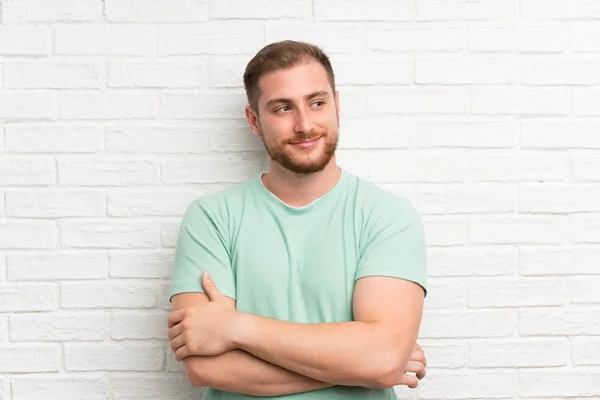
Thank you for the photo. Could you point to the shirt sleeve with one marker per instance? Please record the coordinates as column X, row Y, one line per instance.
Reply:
column 201, row 245
column 395, row 244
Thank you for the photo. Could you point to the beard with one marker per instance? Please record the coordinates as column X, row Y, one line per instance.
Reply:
column 303, row 161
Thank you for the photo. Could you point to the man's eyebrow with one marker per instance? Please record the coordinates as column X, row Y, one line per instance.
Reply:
column 307, row 97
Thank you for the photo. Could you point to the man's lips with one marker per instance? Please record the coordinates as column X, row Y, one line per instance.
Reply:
column 307, row 140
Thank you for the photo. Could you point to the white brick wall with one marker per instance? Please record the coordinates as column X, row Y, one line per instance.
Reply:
column 115, row 114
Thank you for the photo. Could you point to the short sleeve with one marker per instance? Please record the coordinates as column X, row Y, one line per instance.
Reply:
column 201, row 245
column 395, row 244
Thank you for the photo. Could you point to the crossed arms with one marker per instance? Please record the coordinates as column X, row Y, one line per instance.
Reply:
column 238, row 352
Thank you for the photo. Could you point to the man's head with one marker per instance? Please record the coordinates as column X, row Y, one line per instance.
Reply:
column 293, row 105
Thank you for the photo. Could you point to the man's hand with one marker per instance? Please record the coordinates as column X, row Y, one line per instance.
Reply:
column 416, row 365
column 206, row 330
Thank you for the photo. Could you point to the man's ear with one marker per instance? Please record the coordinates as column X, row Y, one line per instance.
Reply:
column 252, row 117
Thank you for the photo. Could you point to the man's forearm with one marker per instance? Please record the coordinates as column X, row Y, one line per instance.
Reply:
column 241, row 372
column 341, row 353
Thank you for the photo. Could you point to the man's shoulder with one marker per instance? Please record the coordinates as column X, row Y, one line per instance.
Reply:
column 377, row 199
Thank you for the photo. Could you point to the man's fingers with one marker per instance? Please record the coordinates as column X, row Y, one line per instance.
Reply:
column 409, row 380
column 177, row 342
column 416, row 367
column 175, row 331
column 175, row 317
column 210, row 287
column 181, row 353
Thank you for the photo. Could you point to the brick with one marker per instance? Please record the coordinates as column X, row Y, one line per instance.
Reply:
column 465, row 70
column 60, row 387
column 585, row 228
column 567, row 260
column 518, row 353
column 385, row 132
column 43, row 11
column 446, row 231
column 584, row 290
column 19, row 358
column 53, row 138
column 3, row 330
column 515, row 167
column 54, row 327
column 129, row 325
column 354, row 161
column 516, row 292
column 200, row 105
column 39, row 235
column 558, row 322
column 108, row 234
column 585, row 351
column 156, row 139
column 160, row 74
column 518, row 38
column 50, row 266
column 434, row 39
column 25, row 41
column 489, row 198
column 472, row 261
column 168, row 233
column 585, row 166
column 559, row 10
column 231, row 135
column 27, row 104
column 155, row 264
column 43, row 74
column 423, row 166
column 446, row 293
column 440, row 10
column 468, row 323
column 27, row 297
column 112, row 294
column 560, row 134
column 163, row 302
column 333, row 39
column 274, row 9
column 447, row 354
column 557, row 382
column 470, row 384
column 559, row 70
column 54, row 203
column 585, row 101
column 521, row 101
column 107, row 105
column 211, row 169
column 226, row 71
column 165, row 386
column 114, row 356
column 518, row 229
column 172, row 364
column 362, row 10
column 471, row 133
column 582, row 37
column 355, row 100
column 106, row 171
column 155, row 11
column 103, row 40
column 382, row 100
column 376, row 70
column 559, row 198
column 149, row 203
column 21, row 171
column 214, row 38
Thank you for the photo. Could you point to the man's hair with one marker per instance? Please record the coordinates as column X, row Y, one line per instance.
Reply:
column 282, row 55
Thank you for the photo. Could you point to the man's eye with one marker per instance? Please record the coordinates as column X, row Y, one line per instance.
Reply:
column 318, row 103
column 284, row 108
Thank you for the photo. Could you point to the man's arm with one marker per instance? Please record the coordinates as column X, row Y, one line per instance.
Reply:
column 239, row 371
column 373, row 350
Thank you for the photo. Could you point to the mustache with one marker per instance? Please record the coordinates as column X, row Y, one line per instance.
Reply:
column 300, row 137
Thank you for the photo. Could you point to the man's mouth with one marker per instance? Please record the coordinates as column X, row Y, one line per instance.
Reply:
column 307, row 143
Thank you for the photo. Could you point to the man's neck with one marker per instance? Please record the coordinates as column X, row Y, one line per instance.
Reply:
column 298, row 190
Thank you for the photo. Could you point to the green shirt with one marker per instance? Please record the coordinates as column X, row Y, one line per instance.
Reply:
column 299, row 264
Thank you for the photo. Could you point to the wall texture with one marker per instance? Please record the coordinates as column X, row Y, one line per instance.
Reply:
column 115, row 114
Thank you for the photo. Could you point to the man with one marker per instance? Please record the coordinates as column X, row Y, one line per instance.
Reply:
column 306, row 282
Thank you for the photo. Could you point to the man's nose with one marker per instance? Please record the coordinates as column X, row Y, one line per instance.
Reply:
column 303, row 122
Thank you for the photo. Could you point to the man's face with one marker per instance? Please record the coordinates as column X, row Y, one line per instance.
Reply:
column 299, row 117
